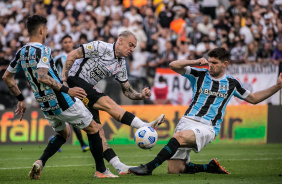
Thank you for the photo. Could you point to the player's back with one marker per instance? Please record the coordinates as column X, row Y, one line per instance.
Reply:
column 29, row 58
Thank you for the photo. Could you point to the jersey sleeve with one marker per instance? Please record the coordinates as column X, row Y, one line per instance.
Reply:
column 192, row 73
column 121, row 75
column 240, row 91
column 15, row 65
column 44, row 61
column 89, row 49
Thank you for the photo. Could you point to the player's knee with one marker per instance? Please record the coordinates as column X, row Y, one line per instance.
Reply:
column 175, row 167
column 65, row 133
column 180, row 137
column 92, row 128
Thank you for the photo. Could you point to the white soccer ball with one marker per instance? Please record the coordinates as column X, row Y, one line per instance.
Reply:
column 146, row 137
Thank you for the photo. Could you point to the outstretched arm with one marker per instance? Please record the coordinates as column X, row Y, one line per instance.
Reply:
column 71, row 57
column 49, row 81
column 8, row 78
column 179, row 66
column 259, row 96
column 132, row 94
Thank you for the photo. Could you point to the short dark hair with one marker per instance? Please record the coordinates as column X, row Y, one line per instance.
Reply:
column 66, row 36
column 34, row 22
column 219, row 53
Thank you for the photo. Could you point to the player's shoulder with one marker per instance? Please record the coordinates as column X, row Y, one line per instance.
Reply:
column 233, row 80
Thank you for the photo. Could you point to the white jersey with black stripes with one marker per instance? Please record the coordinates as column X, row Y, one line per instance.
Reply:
column 99, row 62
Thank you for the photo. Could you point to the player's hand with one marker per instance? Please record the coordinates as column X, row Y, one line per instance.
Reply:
column 279, row 80
column 77, row 92
column 146, row 93
column 20, row 109
column 202, row 61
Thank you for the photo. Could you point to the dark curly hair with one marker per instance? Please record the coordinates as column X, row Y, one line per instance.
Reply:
column 220, row 53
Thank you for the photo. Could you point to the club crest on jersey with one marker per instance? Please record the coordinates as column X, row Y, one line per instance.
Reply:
column 223, row 87
column 213, row 93
column 85, row 101
column 45, row 59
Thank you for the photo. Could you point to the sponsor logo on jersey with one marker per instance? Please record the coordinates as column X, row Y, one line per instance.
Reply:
column 89, row 46
column 30, row 57
column 26, row 65
column 50, row 108
column 45, row 98
column 45, row 59
column 46, row 49
column 213, row 93
column 98, row 73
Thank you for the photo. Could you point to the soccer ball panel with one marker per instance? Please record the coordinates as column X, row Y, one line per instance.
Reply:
column 146, row 137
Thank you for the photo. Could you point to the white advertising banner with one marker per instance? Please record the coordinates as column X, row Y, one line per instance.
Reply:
column 253, row 77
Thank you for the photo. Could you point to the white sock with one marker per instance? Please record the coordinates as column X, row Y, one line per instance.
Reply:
column 137, row 123
column 115, row 162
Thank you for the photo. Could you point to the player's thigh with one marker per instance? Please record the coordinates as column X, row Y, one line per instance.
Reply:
column 186, row 138
column 176, row 166
column 204, row 134
column 105, row 103
column 77, row 115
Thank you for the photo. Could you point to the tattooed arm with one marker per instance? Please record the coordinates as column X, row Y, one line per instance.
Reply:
column 49, row 81
column 46, row 79
column 71, row 57
column 8, row 78
column 130, row 92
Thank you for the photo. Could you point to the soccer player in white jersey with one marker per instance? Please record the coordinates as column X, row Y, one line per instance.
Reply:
column 56, row 100
column 90, row 63
column 212, row 89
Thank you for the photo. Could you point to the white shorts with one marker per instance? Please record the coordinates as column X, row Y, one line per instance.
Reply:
column 77, row 115
column 204, row 135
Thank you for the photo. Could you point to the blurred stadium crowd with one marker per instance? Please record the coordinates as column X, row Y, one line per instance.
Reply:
column 166, row 30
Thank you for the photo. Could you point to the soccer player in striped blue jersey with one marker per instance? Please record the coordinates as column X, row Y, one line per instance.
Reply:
column 58, row 102
column 212, row 90
column 67, row 46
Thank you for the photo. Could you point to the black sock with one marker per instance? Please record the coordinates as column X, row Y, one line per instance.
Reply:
column 79, row 136
column 96, row 148
column 53, row 146
column 127, row 118
column 109, row 154
column 166, row 153
column 194, row 168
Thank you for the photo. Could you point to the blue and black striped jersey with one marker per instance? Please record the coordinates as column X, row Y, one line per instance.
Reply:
column 210, row 96
column 59, row 62
column 30, row 57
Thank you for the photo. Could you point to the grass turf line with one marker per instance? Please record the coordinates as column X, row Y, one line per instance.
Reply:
column 247, row 164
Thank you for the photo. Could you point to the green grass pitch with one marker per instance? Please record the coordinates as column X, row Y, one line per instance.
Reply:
column 247, row 164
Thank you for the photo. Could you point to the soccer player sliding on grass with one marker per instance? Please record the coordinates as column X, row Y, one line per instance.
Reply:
column 212, row 90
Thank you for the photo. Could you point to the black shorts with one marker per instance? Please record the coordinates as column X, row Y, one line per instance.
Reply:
column 92, row 94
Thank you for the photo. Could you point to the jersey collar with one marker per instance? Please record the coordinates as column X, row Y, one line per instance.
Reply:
column 33, row 43
column 219, row 79
column 114, row 50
